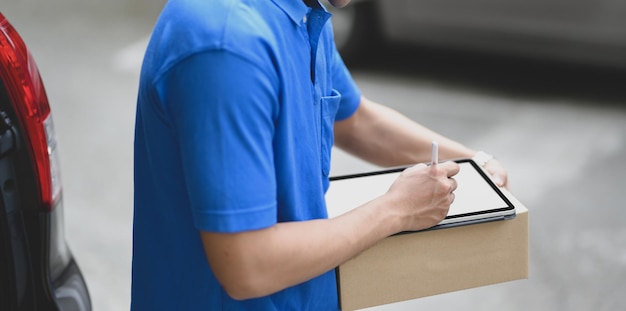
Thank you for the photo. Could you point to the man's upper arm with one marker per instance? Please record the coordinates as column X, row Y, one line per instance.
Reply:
column 343, row 82
column 222, row 109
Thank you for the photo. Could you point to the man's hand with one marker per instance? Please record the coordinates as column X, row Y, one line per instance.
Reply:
column 498, row 173
column 422, row 194
column 258, row 263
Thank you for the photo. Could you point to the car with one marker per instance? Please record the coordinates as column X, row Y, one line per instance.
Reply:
column 581, row 31
column 37, row 268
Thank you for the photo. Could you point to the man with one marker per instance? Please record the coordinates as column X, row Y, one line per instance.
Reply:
column 239, row 104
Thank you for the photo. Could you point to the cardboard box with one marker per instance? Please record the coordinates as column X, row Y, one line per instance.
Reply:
column 414, row 265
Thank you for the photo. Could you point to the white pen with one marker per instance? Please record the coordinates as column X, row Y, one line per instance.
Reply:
column 435, row 153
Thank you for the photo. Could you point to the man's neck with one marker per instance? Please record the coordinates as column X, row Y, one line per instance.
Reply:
column 311, row 3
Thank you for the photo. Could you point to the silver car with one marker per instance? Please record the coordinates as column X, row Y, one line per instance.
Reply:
column 584, row 31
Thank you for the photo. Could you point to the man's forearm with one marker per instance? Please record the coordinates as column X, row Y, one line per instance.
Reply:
column 261, row 262
column 257, row 263
column 385, row 137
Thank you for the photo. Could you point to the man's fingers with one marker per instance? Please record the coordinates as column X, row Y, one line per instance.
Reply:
column 451, row 168
column 453, row 184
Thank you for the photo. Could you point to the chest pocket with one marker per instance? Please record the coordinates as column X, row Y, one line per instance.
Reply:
column 329, row 106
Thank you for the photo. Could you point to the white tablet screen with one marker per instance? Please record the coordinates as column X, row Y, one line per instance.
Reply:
column 474, row 194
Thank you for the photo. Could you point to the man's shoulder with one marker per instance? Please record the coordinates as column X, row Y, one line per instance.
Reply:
column 191, row 26
column 217, row 23
column 192, row 16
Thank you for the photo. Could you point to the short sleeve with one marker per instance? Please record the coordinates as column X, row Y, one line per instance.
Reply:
column 222, row 108
column 343, row 82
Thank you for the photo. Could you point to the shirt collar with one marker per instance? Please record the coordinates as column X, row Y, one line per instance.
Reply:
column 295, row 9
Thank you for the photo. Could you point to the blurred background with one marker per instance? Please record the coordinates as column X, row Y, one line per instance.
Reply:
column 539, row 84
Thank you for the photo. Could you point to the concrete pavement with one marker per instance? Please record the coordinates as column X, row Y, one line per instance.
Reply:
column 565, row 149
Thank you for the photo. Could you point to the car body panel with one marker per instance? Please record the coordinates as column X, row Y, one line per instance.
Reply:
column 37, row 269
column 592, row 31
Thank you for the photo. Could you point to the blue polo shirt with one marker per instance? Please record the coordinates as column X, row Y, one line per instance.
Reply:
column 234, row 129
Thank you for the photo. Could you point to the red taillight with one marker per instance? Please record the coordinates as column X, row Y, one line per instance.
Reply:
column 21, row 78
